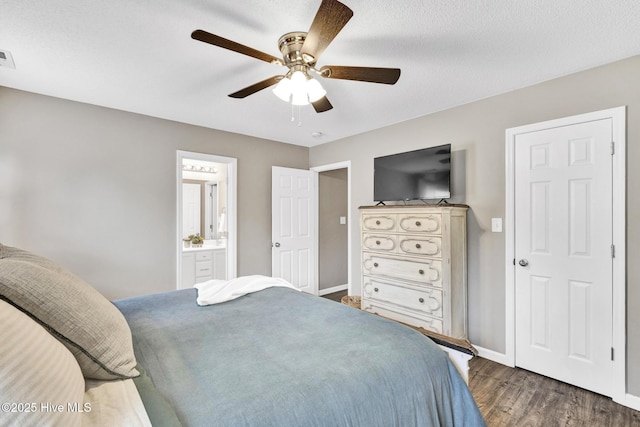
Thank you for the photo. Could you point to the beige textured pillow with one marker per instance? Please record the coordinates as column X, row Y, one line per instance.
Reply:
column 88, row 324
column 40, row 380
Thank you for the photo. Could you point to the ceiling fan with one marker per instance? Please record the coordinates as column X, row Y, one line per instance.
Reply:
column 300, row 53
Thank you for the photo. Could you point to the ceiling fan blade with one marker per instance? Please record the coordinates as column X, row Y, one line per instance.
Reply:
column 364, row 74
column 206, row 37
column 250, row 90
column 322, row 105
column 331, row 17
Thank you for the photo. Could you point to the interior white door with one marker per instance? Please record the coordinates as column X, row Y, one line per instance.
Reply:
column 293, row 227
column 190, row 209
column 563, row 243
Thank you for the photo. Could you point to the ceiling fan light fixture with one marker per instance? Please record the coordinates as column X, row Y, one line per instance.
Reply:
column 299, row 89
column 298, row 82
column 315, row 90
column 283, row 89
column 300, row 98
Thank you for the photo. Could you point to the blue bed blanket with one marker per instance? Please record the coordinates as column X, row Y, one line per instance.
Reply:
column 282, row 358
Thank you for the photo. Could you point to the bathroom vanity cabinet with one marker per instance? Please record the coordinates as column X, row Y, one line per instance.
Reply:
column 202, row 264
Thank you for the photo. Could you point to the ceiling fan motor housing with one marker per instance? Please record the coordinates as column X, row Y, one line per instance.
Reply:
column 290, row 45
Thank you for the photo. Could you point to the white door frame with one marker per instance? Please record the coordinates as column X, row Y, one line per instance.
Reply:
column 324, row 168
column 618, row 117
column 231, row 217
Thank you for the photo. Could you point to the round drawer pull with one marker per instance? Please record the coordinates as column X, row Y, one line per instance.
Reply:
column 418, row 246
column 418, row 223
column 421, row 271
column 421, row 299
column 375, row 264
column 378, row 242
column 377, row 222
column 375, row 289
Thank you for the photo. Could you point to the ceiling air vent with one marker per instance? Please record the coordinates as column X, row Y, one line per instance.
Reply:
column 6, row 60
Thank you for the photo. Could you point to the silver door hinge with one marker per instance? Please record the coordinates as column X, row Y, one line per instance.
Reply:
column 611, row 353
column 613, row 251
column 613, row 148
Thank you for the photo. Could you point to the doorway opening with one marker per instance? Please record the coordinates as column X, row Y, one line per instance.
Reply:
column 333, row 239
column 206, row 207
column 294, row 231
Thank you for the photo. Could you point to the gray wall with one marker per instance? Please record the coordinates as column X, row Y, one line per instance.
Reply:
column 477, row 134
column 332, row 239
column 95, row 189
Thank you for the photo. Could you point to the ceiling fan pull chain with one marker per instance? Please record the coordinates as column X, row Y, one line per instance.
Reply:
column 293, row 115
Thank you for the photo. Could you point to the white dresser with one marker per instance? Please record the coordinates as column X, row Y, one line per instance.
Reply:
column 414, row 265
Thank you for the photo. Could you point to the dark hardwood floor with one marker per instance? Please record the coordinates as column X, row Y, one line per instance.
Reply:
column 336, row 296
column 515, row 397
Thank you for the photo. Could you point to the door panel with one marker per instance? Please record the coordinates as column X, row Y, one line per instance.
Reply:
column 563, row 235
column 293, row 227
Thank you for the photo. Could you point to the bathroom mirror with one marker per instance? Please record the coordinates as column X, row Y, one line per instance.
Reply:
column 204, row 199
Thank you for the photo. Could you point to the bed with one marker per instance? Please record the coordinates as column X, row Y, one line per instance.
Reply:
column 273, row 357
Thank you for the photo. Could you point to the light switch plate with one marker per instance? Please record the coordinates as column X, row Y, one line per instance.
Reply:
column 496, row 225
column 343, row 220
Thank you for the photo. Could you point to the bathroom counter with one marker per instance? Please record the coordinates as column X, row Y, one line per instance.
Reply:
column 206, row 247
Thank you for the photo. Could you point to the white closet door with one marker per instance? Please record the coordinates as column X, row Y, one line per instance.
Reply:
column 563, row 238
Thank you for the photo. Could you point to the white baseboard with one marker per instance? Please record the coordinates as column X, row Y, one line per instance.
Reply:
column 332, row 289
column 493, row 355
column 630, row 401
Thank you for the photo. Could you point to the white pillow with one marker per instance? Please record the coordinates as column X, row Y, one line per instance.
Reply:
column 40, row 380
column 114, row 403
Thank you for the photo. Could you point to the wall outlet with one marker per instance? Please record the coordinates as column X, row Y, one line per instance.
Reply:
column 496, row 225
column 343, row 220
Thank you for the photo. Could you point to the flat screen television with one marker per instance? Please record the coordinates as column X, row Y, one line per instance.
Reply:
column 415, row 175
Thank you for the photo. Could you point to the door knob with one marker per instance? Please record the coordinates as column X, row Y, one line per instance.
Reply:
column 523, row 262
column 276, row 244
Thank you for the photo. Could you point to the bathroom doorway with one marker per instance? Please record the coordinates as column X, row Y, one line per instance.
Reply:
column 206, row 218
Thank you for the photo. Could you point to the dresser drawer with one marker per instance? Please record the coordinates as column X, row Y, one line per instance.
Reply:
column 421, row 245
column 396, row 313
column 424, row 223
column 427, row 271
column 204, row 269
column 379, row 222
column 379, row 242
column 204, row 256
column 423, row 300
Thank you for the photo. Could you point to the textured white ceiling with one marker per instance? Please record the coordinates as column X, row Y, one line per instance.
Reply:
column 137, row 55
